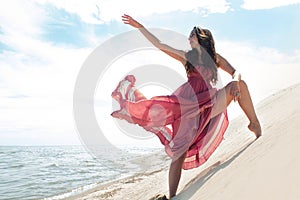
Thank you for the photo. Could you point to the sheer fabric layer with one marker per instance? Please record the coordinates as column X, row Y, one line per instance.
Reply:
column 182, row 121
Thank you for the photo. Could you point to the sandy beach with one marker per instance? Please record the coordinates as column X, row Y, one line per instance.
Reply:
column 241, row 168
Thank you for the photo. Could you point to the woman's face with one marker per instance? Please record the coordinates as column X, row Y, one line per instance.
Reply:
column 193, row 39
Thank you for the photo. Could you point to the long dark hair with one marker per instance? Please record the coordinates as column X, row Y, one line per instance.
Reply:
column 208, row 56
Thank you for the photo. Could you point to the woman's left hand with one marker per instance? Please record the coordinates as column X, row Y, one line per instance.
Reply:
column 130, row 21
column 235, row 90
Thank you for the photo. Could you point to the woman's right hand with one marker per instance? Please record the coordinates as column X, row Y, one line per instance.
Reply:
column 235, row 90
column 129, row 20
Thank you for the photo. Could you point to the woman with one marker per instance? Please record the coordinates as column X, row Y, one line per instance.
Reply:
column 196, row 111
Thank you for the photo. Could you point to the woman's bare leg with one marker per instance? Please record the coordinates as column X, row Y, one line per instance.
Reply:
column 247, row 106
column 224, row 98
column 174, row 175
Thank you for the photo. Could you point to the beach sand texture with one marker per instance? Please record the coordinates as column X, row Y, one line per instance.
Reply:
column 241, row 168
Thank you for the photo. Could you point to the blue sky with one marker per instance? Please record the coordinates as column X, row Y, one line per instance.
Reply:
column 43, row 45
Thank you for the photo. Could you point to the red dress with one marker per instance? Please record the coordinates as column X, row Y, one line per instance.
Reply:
column 182, row 121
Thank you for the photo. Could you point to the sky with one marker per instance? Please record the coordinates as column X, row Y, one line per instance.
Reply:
column 44, row 43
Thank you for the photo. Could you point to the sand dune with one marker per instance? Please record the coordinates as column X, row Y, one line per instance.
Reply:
column 241, row 168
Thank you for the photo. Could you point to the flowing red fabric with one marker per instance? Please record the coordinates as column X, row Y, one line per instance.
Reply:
column 182, row 121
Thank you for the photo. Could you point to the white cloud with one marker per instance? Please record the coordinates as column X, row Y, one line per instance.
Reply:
column 36, row 79
column 36, row 97
column 102, row 11
column 266, row 70
column 21, row 17
column 267, row 4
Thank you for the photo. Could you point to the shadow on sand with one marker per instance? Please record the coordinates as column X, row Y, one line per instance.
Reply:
column 195, row 184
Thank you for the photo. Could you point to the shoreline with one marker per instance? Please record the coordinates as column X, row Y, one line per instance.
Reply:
column 144, row 162
column 108, row 189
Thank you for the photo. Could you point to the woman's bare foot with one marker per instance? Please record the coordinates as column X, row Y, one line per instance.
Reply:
column 255, row 127
column 159, row 197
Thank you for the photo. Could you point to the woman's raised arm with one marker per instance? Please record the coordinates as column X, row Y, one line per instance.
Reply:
column 225, row 65
column 236, row 76
column 174, row 53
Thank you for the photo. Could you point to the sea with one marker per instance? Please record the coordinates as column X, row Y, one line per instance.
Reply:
column 59, row 172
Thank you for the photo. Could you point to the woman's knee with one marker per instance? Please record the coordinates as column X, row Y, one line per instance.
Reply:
column 243, row 85
column 229, row 86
